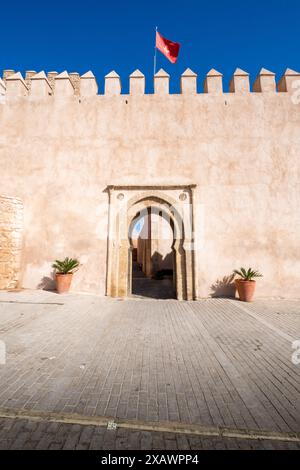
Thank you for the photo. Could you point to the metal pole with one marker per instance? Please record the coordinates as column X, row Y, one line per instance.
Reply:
column 154, row 66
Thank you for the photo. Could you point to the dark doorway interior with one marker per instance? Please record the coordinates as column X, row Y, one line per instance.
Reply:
column 156, row 287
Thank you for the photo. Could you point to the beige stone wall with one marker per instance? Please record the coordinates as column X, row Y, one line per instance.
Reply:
column 242, row 150
column 11, row 226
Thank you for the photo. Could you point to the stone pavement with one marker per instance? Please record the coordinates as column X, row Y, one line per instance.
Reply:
column 151, row 288
column 215, row 362
column 31, row 435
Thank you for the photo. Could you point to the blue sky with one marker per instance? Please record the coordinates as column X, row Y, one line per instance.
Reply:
column 119, row 35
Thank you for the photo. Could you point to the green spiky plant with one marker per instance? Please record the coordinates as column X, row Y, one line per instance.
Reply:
column 66, row 266
column 247, row 275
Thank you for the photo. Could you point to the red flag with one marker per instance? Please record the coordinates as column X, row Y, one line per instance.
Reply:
column 168, row 48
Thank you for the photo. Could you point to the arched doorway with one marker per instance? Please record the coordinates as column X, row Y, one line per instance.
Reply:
column 153, row 266
column 174, row 205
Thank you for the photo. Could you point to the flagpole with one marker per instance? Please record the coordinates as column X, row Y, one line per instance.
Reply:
column 154, row 65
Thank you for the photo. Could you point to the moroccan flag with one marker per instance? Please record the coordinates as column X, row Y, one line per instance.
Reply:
column 168, row 48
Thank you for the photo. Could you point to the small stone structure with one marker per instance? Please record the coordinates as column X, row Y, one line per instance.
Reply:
column 11, row 227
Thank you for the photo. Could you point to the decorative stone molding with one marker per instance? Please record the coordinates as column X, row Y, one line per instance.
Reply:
column 11, row 228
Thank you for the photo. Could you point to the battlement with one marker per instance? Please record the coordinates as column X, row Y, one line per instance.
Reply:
column 60, row 85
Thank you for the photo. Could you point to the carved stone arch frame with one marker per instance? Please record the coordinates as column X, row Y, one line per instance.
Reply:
column 176, row 204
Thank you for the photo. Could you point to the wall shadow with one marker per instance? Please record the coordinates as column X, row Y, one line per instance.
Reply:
column 224, row 287
column 48, row 283
column 162, row 264
column 160, row 285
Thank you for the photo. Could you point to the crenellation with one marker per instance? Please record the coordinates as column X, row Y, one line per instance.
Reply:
column 161, row 82
column 188, row 82
column 63, row 85
column 40, row 86
column 66, row 84
column 7, row 73
column 28, row 76
column 51, row 78
column 112, row 84
column 137, row 83
column 287, row 81
column 2, row 87
column 75, row 79
column 88, row 84
column 16, row 86
column 265, row 82
column 213, row 83
column 240, row 82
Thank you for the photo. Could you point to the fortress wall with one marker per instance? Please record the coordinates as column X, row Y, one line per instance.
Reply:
column 60, row 85
column 242, row 150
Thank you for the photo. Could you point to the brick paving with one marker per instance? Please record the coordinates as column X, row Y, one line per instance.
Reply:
column 151, row 288
column 214, row 362
column 33, row 435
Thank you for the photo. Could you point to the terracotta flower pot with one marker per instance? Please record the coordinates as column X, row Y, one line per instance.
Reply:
column 63, row 282
column 245, row 289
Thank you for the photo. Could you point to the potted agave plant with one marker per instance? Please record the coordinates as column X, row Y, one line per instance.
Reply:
column 246, row 284
column 64, row 272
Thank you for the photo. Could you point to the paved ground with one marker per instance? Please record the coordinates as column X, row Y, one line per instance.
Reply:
column 24, row 434
column 212, row 363
column 151, row 288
